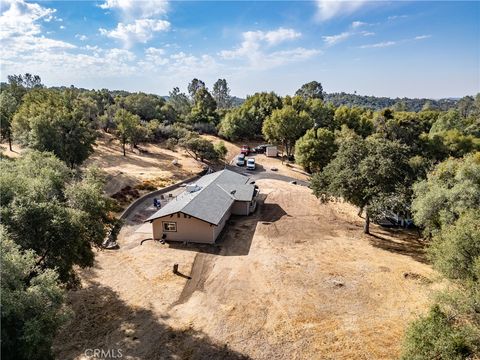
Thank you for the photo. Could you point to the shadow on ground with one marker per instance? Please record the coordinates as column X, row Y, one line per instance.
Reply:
column 399, row 241
column 237, row 235
column 103, row 321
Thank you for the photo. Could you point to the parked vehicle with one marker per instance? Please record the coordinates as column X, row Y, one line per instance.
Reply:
column 260, row 149
column 245, row 150
column 251, row 164
column 271, row 151
column 241, row 160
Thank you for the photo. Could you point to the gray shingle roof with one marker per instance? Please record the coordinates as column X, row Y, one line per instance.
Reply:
column 213, row 199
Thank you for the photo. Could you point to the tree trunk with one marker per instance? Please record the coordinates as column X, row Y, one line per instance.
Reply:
column 360, row 211
column 10, row 142
column 366, row 228
column 124, row 153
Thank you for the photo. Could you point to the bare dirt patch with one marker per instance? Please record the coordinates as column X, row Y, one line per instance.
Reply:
column 296, row 280
column 14, row 153
column 152, row 164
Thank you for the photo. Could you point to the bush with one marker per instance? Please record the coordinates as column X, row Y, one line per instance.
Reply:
column 171, row 143
column 205, row 128
column 436, row 336
column 221, row 150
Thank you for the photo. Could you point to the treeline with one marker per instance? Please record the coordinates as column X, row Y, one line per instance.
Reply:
column 398, row 104
column 66, row 121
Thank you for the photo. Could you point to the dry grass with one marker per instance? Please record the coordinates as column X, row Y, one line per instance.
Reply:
column 297, row 280
column 17, row 150
column 153, row 164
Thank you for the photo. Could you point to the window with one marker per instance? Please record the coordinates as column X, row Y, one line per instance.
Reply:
column 169, row 226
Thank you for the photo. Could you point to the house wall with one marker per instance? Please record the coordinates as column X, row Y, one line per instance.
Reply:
column 188, row 229
column 240, row 208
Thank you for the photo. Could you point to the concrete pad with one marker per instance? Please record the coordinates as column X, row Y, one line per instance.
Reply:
column 144, row 228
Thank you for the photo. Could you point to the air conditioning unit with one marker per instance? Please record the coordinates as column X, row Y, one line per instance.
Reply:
column 192, row 188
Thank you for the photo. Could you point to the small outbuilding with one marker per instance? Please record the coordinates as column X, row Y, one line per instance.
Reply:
column 200, row 213
column 271, row 151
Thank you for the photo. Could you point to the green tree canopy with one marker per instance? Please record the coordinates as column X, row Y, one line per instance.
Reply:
column 180, row 102
column 8, row 106
column 221, row 94
column 246, row 121
column 285, row 126
column 355, row 119
column 45, row 209
column 199, row 148
column 127, row 125
column 311, row 90
column 47, row 120
column 447, row 205
column 315, row 149
column 447, row 192
column 146, row 106
column 364, row 172
column 194, row 86
column 32, row 304
column 322, row 114
column 204, row 108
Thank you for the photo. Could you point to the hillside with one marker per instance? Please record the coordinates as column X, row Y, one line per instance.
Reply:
column 377, row 103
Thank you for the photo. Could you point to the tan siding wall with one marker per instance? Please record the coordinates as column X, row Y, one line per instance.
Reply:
column 240, row 208
column 188, row 229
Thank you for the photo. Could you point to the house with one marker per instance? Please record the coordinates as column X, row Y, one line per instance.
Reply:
column 202, row 210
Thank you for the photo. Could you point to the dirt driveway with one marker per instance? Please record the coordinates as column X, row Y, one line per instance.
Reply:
column 297, row 280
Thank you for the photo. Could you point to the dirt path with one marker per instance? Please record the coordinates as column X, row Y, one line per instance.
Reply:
column 201, row 268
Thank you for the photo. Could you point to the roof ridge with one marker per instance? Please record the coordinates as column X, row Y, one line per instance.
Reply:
column 228, row 193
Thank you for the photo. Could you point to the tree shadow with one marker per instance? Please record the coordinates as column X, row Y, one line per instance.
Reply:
column 399, row 241
column 105, row 322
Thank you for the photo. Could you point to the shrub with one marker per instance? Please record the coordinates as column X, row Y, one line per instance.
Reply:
column 436, row 336
column 171, row 143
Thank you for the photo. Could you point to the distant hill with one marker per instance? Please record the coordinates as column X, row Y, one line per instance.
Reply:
column 377, row 103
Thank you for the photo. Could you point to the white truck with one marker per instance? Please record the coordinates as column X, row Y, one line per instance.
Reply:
column 271, row 151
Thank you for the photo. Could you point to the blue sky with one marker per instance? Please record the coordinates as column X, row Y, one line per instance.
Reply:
column 382, row 48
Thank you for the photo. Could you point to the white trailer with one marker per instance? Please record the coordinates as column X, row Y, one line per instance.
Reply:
column 271, row 151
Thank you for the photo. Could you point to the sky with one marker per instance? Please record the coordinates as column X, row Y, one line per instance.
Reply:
column 382, row 48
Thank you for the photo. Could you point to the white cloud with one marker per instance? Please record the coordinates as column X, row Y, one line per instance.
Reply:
column 394, row 17
column 275, row 37
column 155, row 57
column 21, row 33
column 141, row 19
column 254, row 40
column 367, row 33
column 379, row 45
column 357, row 24
column 256, row 49
column 139, row 31
column 331, row 40
column 61, row 27
column 421, row 37
column 21, row 18
column 137, row 8
column 328, row 9
column 81, row 37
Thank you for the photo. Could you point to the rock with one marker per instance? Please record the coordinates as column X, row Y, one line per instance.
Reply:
column 338, row 283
